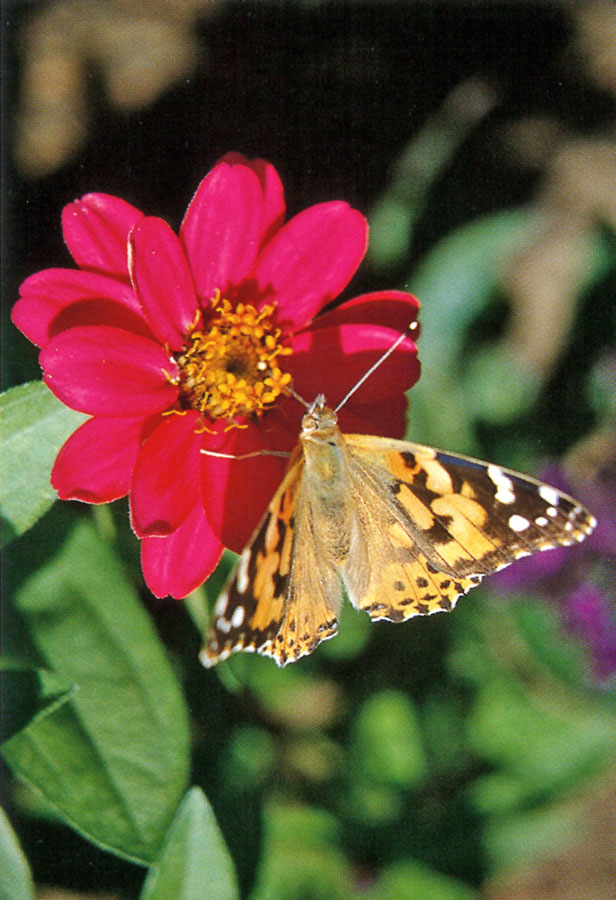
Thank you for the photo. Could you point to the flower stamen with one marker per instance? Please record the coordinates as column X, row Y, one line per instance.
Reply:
column 231, row 370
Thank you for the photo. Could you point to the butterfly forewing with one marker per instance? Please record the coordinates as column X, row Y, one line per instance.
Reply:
column 446, row 521
column 408, row 529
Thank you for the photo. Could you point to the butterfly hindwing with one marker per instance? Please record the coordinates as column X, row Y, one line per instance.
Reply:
column 282, row 599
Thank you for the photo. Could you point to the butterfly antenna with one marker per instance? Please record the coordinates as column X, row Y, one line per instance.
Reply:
column 372, row 368
column 297, row 397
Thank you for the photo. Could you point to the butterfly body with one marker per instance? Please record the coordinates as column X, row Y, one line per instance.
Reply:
column 405, row 528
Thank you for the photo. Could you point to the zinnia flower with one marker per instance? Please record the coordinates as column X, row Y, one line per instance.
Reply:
column 177, row 344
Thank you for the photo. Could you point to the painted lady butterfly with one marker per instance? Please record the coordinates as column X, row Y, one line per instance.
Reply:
column 405, row 528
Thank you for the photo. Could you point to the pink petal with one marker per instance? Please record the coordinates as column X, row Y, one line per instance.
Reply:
column 223, row 228
column 236, row 492
column 311, row 259
column 162, row 279
column 386, row 418
column 108, row 372
column 178, row 563
column 96, row 462
column 273, row 192
column 166, row 478
column 96, row 230
column 347, row 353
column 392, row 309
column 56, row 299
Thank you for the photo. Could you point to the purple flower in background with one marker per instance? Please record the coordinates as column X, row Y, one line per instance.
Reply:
column 589, row 614
column 580, row 580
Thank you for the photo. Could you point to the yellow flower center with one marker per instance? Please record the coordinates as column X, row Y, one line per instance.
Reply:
column 232, row 368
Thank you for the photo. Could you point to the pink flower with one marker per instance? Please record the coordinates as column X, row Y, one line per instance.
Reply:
column 174, row 344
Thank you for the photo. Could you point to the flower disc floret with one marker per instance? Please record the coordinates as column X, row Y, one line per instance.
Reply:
column 230, row 370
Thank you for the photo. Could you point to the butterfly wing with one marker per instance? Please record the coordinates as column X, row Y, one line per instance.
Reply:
column 283, row 597
column 446, row 520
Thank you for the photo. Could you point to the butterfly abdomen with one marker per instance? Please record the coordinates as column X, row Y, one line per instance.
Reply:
column 327, row 489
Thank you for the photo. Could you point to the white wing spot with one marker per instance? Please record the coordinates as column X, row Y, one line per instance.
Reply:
column 223, row 624
column 238, row 616
column 549, row 495
column 541, row 521
column 518, row 523
column 503, row 484
column 242, row 570
column 568, row 526
column 552, row 511
column 221, row 603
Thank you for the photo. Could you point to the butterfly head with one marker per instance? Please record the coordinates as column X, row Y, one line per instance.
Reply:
column 320, row 421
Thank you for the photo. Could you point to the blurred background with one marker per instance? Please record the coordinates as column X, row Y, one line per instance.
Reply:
column 465, row 756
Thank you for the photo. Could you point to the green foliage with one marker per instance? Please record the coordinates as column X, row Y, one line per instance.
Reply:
column 302, row 858
column 194, row 863
column 112, row 758
column 541, row 741
column 34, row 426
column 15, row 876
column 387, row 756
column 412, row 879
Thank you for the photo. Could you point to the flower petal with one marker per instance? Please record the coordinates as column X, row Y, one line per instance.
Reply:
column 96, row 230
column 387, row 417
column 96, row 462
column 162, row 279
column 391, row 309
column 223, row 228
column 166, row 478
column 108, row 372
column 236, row 492
column 54, row 300
column 273, row 192
column 311, row 260
column 179, row 562
column 349, row 351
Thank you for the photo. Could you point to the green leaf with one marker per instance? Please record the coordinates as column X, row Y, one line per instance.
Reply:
column 550, row 742
column 413, row 879
column 387, row 743
column 28, row 695
column 34, row 426
column 454, row 282
column 194, row 863
column 301, row 856
column 393, row 219
column 15, row 878
column 114, row 760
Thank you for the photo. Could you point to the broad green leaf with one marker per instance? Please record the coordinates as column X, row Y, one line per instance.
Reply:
column 34, row 426
column 114, row 760
column 15, row 878
column 194, row 863
column 28, row 695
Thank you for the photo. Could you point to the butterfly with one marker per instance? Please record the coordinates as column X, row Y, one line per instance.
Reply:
column 406, row 529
